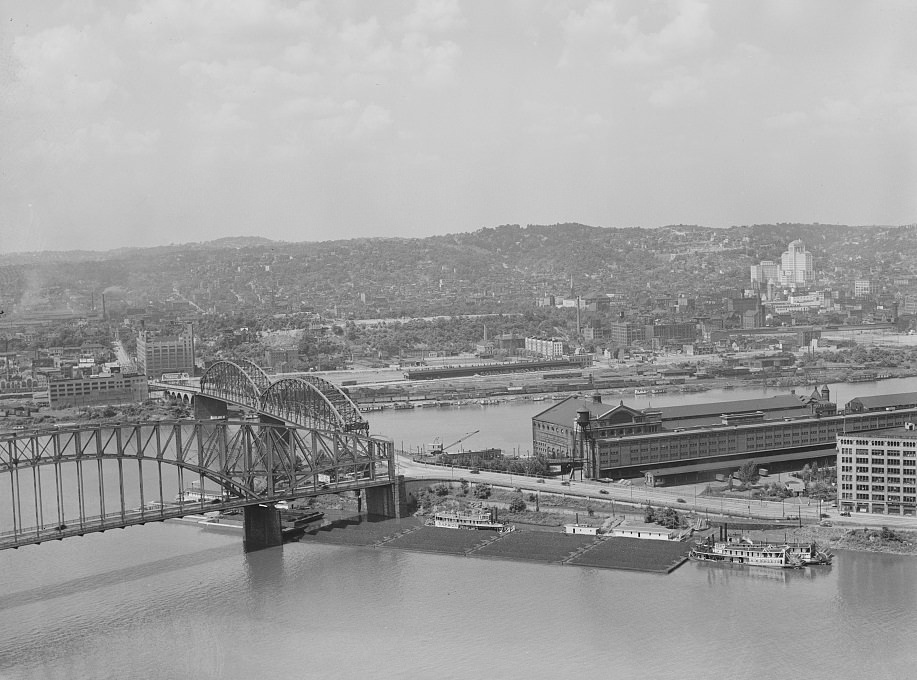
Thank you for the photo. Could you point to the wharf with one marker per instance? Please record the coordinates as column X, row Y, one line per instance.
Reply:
column 547, row 547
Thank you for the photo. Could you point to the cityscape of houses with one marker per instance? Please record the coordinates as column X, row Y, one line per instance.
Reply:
column 82, row 325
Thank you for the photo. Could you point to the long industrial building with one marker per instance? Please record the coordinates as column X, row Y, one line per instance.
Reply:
column 689, row 443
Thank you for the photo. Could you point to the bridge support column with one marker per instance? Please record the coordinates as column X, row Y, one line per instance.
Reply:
column 387, row 501
column 262, row 528
column 205, row 407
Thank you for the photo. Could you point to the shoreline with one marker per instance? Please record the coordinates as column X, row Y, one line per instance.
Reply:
column 857, row 539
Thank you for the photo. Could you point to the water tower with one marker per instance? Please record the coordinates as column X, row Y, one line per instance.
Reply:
column 582, row 425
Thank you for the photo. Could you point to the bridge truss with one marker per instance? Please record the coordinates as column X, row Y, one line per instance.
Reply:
column 308, row 401
column 78, row 480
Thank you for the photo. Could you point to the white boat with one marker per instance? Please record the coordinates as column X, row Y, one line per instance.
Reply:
column 469, row 519
column 746, row 552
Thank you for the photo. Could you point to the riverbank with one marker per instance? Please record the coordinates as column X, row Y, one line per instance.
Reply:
column 876, row 539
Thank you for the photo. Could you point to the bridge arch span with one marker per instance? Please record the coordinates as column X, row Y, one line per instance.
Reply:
column 311, row 401
column 239, row 381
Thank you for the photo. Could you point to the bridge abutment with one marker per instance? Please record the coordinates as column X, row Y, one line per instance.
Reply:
column 387, row 501
column 261, row 527
column 206, row 407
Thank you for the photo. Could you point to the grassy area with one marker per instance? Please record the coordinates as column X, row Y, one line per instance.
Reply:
column 439, row 540
column 634, row 553
column 539, row 546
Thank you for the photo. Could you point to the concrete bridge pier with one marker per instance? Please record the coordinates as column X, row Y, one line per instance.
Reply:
column 387, row 501
column 206, row 407
column 261, row 528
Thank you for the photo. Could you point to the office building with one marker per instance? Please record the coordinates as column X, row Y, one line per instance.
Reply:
column 877, row 471
column 159, row 353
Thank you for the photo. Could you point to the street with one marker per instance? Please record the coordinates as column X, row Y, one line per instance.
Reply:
column 796, row 509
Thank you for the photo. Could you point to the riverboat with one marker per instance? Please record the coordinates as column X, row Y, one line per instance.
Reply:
column 469, row 519
column 742, row 552
column 809, row 554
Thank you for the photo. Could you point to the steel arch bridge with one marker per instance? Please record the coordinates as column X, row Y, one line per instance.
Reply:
column 240, row 381
column 308, row 401
column 312, row 402
column 79, row 480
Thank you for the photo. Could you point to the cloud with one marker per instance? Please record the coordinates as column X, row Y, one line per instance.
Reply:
column 434, row 16
column 562, row 124
column 429, row 64
column 86, row 144
column 63, row 68
column 786, row 120
column 655, row 33
column 371, row 120
column 679, row 90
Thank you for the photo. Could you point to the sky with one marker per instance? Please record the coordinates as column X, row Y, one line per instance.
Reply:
column 171, row 121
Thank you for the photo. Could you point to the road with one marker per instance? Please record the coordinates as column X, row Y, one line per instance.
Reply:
column 123, row 357
column 638, row 495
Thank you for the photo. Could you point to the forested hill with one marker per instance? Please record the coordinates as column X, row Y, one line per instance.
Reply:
column 508, row 265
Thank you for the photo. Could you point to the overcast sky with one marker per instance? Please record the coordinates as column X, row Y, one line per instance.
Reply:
column 160, row 121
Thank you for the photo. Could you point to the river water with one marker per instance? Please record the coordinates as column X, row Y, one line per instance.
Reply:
column 175, row 601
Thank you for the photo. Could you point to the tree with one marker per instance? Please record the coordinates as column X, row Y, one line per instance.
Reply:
column 441, row 489
column 669, row 518
column 806, row 472
column 748, row 473
column 482, row 491
column 649, row 514
column 517, row 504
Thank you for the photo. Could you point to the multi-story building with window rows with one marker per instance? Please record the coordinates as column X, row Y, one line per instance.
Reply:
column 114, row 388
column 877, row 471
column 677, row 444
column 165, row 353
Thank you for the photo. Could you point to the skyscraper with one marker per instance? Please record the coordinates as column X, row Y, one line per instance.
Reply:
column 797, row 267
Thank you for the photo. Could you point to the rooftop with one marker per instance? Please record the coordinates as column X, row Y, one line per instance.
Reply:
column 692, row 415
column 884, row 400
column 890, row 433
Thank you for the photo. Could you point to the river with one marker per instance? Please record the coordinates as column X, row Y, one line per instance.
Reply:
column 174, row 601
